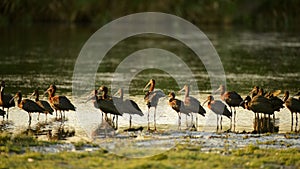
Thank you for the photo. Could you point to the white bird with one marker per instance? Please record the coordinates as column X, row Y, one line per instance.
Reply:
column 151, row 98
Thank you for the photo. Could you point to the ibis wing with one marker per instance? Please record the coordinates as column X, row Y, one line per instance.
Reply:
column 46, row 106
column 31, row 106
column 219, row 107
column 65, row 103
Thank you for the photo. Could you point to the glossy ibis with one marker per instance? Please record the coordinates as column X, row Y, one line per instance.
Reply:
column 151, row 98
column 276, row 103
column 127, row 106
column 61, row 103
column 28, row 105
column 259, row 104
column 232, row 98
column 42, row 103
column 107, row 105
column 94, row 96
column 178, row 106
column 293, row 105
column 191, row 104
column 5, row 99
column 219, row 108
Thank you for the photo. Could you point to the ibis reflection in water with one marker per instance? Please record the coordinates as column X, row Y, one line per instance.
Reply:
column 61, row 103
column 219, row 108
column 127, row 106
column 192, row 105
column 293, row 105
column 28, row 105
column 232, row 99
column 151, row 98
column 5, row 100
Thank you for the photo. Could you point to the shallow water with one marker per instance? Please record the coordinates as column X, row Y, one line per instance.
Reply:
column 38, row 55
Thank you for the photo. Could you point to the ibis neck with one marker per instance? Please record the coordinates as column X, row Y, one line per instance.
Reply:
column 104, row 95
column 121, row 94
column 37, row 97
column 19, row 100
column 286, row 96
column 152, row 85
column 222, row 90
column 187, row 91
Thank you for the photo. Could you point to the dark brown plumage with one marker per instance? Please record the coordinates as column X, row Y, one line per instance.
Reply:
column 61, row 103
column 106, row 104
column 5, row 99
column 293, row 105
column 42, row 103
column 28, row 105
column 178, row 106
column 232, row 99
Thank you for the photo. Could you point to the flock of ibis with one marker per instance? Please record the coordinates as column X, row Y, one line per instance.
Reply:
column 258, row 101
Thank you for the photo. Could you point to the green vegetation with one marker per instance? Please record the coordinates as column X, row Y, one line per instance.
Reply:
column 277, row 13
column 15, row 153
column 179, row 157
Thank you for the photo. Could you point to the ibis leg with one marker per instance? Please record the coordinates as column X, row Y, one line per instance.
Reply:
column 155, row 119
column 148, row 119
column 221, row 122
column 117, row 122
column 296, row 125
column 234, row 122
column 186, row 121
column 6, row 113
column 192, row 119
column 179, row 121
column 292, row 121
column 29, row 120
column 196, row 125
column 217, row 122
column 130, row 123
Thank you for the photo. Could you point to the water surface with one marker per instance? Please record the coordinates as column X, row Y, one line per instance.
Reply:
column 38, row 55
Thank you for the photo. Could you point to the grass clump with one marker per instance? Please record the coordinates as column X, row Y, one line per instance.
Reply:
column 181, row 156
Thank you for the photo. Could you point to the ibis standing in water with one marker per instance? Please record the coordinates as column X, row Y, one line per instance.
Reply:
column 233, row 99
column 61, row 103
column 28, row 105
column 293, row 105
column 219, row 108
column 5, row 99
column 151, row 98
column 258, row 104
column 127, row 106
column 178, row 106
column 42, row 103
column 107, row 105
column 191, row 104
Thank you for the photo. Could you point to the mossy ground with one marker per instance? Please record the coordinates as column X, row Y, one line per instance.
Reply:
column 181, row 156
